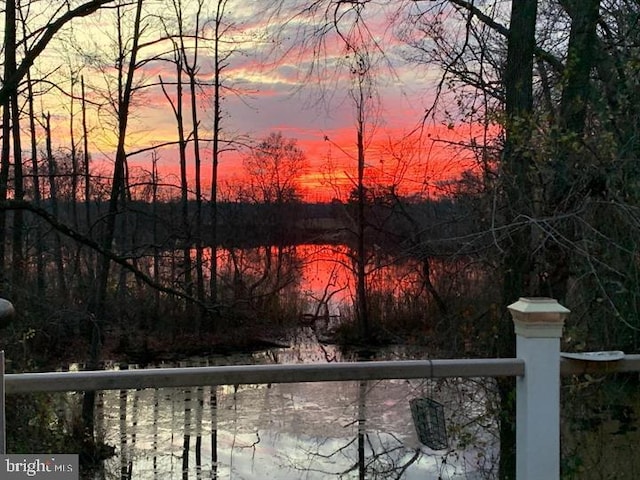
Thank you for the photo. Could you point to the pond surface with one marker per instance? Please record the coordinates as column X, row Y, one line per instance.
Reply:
column 323, row 276
column 293, row 431
column 345, row 430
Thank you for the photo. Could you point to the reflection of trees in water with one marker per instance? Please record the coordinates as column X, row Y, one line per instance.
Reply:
column 383, row 456
column 362, row 429
column 260, row 282
column 154, row 431
column 471, row 412
column 128, row 413
column 187, row 433
column 326, row 430
column 213, row 402
column 317, row 282
column 345, row 430
column 379, row 450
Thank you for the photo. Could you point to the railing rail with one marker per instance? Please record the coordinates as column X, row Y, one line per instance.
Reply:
column 630, row 363
column 293, row 373
column 255, row 374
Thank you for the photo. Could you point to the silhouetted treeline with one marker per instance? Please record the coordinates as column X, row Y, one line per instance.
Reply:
column 244, row 225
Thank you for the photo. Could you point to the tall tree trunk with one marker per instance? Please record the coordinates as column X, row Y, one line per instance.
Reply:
column 361, row 97
column 361, row 253
column 177, row 107
column 98, row 305
column 518, row 83
column 213, row 267
column 18, row 265
column 217, row 129
column 516, row 157
column 156, row 242
column 198, row 214
column 119, row 177
column 568, row 187
column 87, row 181
column 5, row 158
column 184, row 196
column 191, row 68
column 37, row 196
column 74, row 154
column 9, row 70
column 53, row 200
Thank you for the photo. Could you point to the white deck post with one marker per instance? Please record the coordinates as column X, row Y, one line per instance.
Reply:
column 538, row 326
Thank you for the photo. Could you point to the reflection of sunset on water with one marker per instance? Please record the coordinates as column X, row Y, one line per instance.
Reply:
column 322, row 274
column 290, row 431
column 327, row 278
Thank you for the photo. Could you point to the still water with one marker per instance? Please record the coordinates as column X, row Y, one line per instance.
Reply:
column 323, row 276
column 336, row 430
column 349, row 429
column 294, row 431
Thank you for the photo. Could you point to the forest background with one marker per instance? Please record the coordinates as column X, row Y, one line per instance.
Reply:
column 125, row 167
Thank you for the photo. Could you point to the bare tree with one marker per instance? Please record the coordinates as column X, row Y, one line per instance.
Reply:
column 11, row 134
column 126, row 72
column 192, row 67
column 275, row 166
column 221, row 57
column 176, row 101
column 15, row 70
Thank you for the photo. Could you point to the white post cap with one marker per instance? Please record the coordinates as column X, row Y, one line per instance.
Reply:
column 539, row 317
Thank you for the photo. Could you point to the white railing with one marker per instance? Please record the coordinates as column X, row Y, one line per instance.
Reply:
column 538, row 325
column 258, row 374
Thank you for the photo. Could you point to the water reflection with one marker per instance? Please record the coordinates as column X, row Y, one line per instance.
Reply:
column 323, row 275
column 291, row 431
column 312, row 431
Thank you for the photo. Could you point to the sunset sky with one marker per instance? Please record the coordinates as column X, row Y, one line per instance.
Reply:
column 277, row 93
